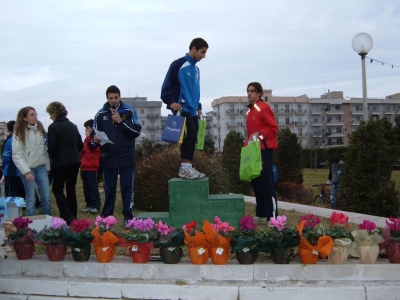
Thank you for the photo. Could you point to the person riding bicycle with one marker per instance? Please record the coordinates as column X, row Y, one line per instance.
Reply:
column 334, row 177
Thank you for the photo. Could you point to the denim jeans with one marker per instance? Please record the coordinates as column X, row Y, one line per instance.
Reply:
column 91, row 189
column 42, row 181
column 334, row 192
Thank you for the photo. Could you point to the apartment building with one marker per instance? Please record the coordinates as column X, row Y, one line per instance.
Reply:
column 330, row 117
column 3, row 131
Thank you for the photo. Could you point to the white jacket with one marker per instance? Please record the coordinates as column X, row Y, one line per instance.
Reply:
column 33, row 153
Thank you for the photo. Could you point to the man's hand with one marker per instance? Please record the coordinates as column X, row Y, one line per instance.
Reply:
column 29, row 176
column 253, row 137
column 3, row 179
column 176, row 106
column 116, row 117
column 328, row 182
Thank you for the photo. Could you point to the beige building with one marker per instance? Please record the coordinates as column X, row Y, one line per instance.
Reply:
column 330, row 117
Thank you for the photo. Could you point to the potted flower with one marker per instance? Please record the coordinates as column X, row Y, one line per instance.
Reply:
column 196, row 241
column 366, row 242
column 391, row 234
column 245, row 241
column 21, row 240
column 137, row 239
column 78, row 236
column 282, row 240
column 218, row 240
column 170, row 241
column 342, row 238
column 312, row 242
column 103, row 239
column 51, row 238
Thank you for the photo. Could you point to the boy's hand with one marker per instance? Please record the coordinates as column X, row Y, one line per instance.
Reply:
column 96, row 139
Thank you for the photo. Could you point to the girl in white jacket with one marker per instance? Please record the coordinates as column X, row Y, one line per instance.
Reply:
column 29, row 152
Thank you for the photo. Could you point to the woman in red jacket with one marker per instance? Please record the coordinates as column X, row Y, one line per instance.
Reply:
column 261, row 125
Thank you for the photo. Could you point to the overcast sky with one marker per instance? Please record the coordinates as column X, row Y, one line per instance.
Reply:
column 71, row 51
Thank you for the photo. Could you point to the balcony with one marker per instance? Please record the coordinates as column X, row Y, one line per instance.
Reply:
column 316, row 112
column 335, row 123
column 334, row 112
column 300, row 124
column 232, row 112
column 335, row 134
column 316, row 124
column 232, row 125
column 285, row 124
column 357, row 112
column 152, row 116
column 283, row 111
column 376, row 113
column 389, row 112
column 300, row 111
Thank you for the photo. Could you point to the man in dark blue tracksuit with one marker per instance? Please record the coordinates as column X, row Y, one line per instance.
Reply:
column 120, row 123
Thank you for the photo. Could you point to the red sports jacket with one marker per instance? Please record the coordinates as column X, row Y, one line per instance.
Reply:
column 261, row 118
column 90, row 158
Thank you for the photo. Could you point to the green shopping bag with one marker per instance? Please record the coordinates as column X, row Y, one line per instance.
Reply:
column 201, row 134
column 250, row 161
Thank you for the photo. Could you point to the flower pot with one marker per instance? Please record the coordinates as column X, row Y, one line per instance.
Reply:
column 246, row 257
column 140, row 252
column 368, row 253
column 199, row 255
column 171, row 255
column 308, row 256
column 339, row 255
column 220, row 255
column 24, row 251
column 281, row 255
column 56, row 252
column 81, row 254
column 394, row 258
column 104, row 254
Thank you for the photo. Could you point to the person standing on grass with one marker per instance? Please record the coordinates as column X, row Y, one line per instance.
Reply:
column 65, row 143
column 117, row 157
column 90, row 164
column 12, row 181
column 182, row 83
column 29, row 153
column 334, row 177
column 261, row 126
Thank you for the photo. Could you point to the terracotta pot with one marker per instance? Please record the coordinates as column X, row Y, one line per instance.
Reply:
column 339, row 255
column 140, row 252
column 220, row 255
column 392, row 255
column 246, row 257
column 368, row 253
column 199, row 255
column 282, row 255
column 56, row 252
column 104, row 254
column 308, row 257
column 81, row 254
column 171, row 255
column 24, row 251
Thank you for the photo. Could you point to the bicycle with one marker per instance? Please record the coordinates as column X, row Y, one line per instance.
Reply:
column 323, row 199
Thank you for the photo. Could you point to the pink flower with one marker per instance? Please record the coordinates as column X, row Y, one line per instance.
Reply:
column 140, row 224
column 162, row 228
column 57, row 223
column 278, row 222
column 220, row 226
column 394, row 224
column 109, row 221
column 98, row 221
column 368, row 226
column 247, row 223
column 310, row 220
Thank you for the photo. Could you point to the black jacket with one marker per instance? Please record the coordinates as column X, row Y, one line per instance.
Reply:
column 64, row 143
column 120, row 154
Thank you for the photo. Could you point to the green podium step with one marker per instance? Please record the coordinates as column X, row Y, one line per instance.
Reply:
column 189, row 200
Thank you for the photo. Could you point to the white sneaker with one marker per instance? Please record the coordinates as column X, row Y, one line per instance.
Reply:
column 87, row 209
column 201, row 175
column 188, row 173
column 94, row 211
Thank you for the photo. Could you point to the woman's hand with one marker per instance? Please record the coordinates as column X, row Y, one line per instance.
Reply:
column 29, row 176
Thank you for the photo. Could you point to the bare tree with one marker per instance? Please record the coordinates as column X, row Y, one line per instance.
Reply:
column 314, row 142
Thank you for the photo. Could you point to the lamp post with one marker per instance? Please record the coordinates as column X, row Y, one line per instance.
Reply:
column 362, row 44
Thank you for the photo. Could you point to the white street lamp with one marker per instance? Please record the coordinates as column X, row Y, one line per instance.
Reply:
column 362, row 44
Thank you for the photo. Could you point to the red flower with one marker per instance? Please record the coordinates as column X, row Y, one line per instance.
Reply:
column 339, row 218
column 190, row 227
column 81, row 225
column 310, row 220
column 21, row 223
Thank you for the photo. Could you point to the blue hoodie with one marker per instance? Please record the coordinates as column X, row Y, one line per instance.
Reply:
column 9, row 168
column 182, row 82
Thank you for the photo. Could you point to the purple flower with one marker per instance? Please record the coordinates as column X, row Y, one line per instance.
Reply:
column 57, row 223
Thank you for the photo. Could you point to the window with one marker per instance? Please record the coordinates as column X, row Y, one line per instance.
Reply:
column 276, row 107
column 300, row 131
column 142, row 123
column 286, row 108
column 287, row 121
column 373, row 108
column 142, row 111
column 266, row 98
column 316, row 120
column 300, row 120
column 357, row 107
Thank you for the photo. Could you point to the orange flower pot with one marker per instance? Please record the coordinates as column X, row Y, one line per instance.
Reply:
column 140, row 252
column 24, row 251
column 220, row 255
column 199, row 255
column 56, row 252
column 308, row 256
column 104, row 254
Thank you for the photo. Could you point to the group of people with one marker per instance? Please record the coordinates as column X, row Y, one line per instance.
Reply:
column 110, row 145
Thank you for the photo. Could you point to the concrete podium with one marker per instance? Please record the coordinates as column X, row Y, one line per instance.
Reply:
column 189, row 200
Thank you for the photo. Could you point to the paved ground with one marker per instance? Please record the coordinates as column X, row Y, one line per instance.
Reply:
column 324, row 212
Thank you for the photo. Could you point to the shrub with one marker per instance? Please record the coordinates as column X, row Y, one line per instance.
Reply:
column 294, row 192
column 153, row 172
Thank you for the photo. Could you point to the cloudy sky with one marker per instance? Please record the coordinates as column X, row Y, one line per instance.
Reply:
column 71, row 51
